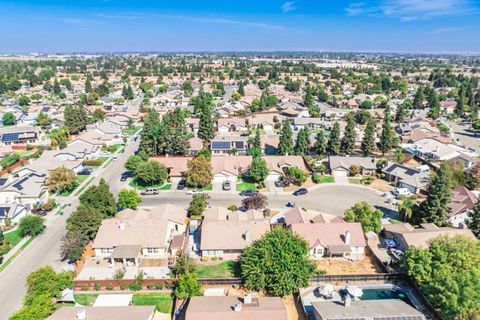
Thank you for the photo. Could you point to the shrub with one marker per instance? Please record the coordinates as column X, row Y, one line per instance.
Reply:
column 109, row 287
column 214, row 258
column 316, row 178
column 298, row 174
column 97, row 286
column 92, row 162
column 367, row 180
column 31, row 226
column 204, row 259
column 119, row 274
column 84, row 288
column 123, row 287
column 232, row 207
column 159, row 286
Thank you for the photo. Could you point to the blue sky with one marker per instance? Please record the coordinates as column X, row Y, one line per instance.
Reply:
column 241, row 25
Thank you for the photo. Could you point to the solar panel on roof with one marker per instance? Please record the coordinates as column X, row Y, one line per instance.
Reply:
column 4, row 211
column 2, row 181
column 239, row 144
column 221, row 145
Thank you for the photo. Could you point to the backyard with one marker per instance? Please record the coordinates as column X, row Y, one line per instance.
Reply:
column 162, row 301
column 224, row 269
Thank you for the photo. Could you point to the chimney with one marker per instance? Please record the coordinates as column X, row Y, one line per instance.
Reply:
column 347, row 237
column 81, row 314
column 237, row 307
column 247, row 298
column 121, row 225
column 246, row 236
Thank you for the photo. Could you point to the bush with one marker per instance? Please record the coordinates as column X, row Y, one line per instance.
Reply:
column 97, row 287
column 159, row 286
column 261, row 185
column 123, row 287
column 232, row 207
column 297, row 174
column 31, row 226
column 214, row 258
column 367, row 180
column 109, row 287
column 92, row 162
column 316, row 178
column 204, row 259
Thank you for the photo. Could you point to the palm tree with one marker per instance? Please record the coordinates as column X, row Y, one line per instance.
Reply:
column 406, row 209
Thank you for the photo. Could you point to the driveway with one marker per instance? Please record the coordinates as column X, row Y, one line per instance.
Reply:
column 341, row 179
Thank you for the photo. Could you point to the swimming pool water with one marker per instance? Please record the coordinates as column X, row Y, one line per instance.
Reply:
column 381, row 294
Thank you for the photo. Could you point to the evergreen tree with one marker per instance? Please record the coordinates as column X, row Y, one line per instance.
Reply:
column 258, row 169
column 433, row 104
column 100, row 199
column 347, row 145
column 334, row 142
column 368, row 141
column 151, row 133
column 302, row 145
column 400, row 115
column 206, row 128
column 460, row 102
column 75, row 119
column 241, row 89
column 285, row 146
column 88, row 85
column 56, row 87
column 386, row 142
column 320, row 143
column 309, row 102
column 173, row 138
column 418, row 99
column 434, row 209
column 474, row 222
column 256, row 149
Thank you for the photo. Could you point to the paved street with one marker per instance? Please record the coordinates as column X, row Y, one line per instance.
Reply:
column 44, row 250
column 333, row 199
column 464, row 135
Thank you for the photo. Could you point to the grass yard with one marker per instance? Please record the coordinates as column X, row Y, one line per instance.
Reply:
column 160, row 186
column 78, row 181
column 225, row 269
column 245, row 186
column 354, row 181
column 162, row 301
column 13, row 237
column 208, row 187
column 132, row 131
column 86, row 299
column 326, row 179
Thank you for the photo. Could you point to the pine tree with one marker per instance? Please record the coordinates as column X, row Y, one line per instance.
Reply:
column 151, row 133
column 474, row 222
column 347, row 145
column 418, row 99
column 241, row 89
column 56, row 87
column 309, row 102
column 256, row 149
column 206, row 128
column 433, row 104
column 386, row 142
column 460, row 102
column 334, row 143
column 285, row 146
column 88, row 85
column 434, row 208
column 400, row 115
column 368, row 141
column 320, row 143
column 302, row 145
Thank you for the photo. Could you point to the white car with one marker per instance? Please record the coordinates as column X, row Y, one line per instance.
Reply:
column 195, row 191
column 401, row 192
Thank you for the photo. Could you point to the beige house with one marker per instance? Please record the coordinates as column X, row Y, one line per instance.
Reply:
column 133, row 235
column 279, row 165
column 226, row 234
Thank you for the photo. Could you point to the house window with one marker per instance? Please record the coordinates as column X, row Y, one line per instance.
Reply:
column 153, row 250
column 318, row 251
column 176, row 227
column 105, row 250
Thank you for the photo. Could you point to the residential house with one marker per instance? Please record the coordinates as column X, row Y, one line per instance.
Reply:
column 461, row 205
column 13, row 212
column 134, row 235
column 14, row 135
column 226, row 234
column 108, row 127
column 402, row 176
column 99, row 139
column 177, row 166
column 229, row 168
column 416, row 135
column 235, row 308
column 406, row 236
column 195, row 145
column 292, row 109
column 104, row 313
column 120, row 120
column 26, row 190
column 327, row 235
column 279, row 165
column 391, row 309
column 51, row 160
column 341, row 165
column 225, row 125
column 310, row 123
column 265, row 121
column 449, row 105
column 225, row 145
column 193, row 124
column 270, row 144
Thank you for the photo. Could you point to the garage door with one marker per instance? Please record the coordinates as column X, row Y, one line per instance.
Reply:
column 222, row 178
column 340, row 173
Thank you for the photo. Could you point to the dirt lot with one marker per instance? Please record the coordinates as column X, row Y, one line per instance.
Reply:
column 381, row 185
column 343, row 266
column 294, row 309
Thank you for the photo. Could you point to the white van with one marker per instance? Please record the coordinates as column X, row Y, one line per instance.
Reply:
column 401, row 192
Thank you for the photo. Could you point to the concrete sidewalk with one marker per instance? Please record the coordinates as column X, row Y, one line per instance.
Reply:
column 13, row 250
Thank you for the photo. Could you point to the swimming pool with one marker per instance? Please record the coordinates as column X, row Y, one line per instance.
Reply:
column 381, row 294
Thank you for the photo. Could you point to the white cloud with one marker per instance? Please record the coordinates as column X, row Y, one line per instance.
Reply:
column 217, row 20
column 409, row 10
column 288, row 6
column 127, row 16
column 445, row 30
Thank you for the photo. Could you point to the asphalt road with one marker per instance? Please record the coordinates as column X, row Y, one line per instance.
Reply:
column 464, row 135
column 333, row 199
column 44, row 250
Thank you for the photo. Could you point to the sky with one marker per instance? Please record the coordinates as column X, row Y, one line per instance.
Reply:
column 66, row 26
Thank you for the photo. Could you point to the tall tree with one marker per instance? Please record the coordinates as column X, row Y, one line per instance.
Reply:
column 386, row 142
column 419, row 98
column 334, row 142
column 433, row 104
column 199, row 172
column 474, row 221
column 400, row 115
column 85, row 220
column 88, row 85
column 258, row 169
column 434, row 209
column 347, row 145
column 60, row 179
column 206, row 127
column 320, row 145
column 101, row 199
column 56, row 87
column 256, row 149
column 151, row 133
column 75, row 119
column 285, row 146
column 309, row 102
column 368, row 141
column 302, row 145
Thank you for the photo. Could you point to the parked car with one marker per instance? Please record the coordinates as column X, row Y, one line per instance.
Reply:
column 290, row 204
column 195, row 191
column 149, row 192
column 126, row 175
column 279, row 184
column 85, row 172
column 248, row 192
column 115, row 158
column 226, row 185
column 401, row 192
column 182, row 184
column 135, row 138
column 300, row 192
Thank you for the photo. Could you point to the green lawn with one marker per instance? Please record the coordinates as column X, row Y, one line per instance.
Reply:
column 326, row 179
column 161, row 186
column 354, row 181
column 78, row 181
column 246, row 185
column 132, row 131
column 225, row 269
column 162, row 301
column 13, row 237
column 86, row 299
column 208, row 187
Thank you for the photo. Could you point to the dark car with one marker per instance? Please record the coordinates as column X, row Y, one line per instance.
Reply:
column 300, row 192
column 248, row 193
column 126, row 175
column 85, row 172
column 279, row 184
column 182, row 185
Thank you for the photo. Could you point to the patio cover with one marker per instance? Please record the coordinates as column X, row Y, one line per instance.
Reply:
column 126, row 252
column 340, row 248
